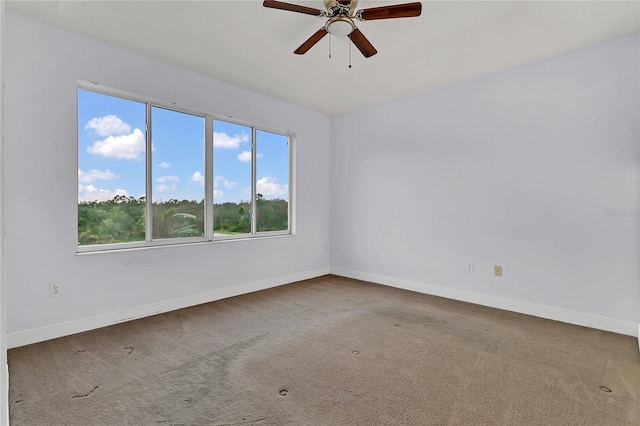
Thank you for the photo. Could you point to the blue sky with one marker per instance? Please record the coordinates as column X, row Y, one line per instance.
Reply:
column 111, row 154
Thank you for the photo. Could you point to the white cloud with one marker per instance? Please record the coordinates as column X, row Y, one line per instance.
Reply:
column 269, row 187
column 93, row 175
column 198, row 178
column 218, row 194
column 222, row 140
column 245, row 156
column 163, row 179
column 125, row 147
column 164, row 165
column 108, row 125
column 163, row 187
column 227, row 183
column 92, row 193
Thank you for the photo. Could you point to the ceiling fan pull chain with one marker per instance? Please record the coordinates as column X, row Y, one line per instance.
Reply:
column 350, row 51
column 329, row 45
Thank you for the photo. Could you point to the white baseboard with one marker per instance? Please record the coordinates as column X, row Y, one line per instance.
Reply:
column 28, row 337
column 15, row 340
column 6, row 412
column 586, row 320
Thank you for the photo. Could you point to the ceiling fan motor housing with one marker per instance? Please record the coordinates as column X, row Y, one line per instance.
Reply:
column 340, row 4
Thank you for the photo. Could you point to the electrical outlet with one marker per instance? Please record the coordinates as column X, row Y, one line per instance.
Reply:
column 470, row 267
column 497, row 271
column 55, row 290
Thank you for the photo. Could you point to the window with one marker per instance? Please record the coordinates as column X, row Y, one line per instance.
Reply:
column 155, row 174
column 232, row 180
column 235, row 152
column 111, row 169
column 177, row 167
column 272, row 184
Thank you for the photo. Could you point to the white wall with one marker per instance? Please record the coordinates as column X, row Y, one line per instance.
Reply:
column 515, row 168
column 42, row 65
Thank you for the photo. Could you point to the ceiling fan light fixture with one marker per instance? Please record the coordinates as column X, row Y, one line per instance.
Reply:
column 340, row 26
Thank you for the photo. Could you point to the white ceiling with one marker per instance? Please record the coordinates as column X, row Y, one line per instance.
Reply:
column 250, row 46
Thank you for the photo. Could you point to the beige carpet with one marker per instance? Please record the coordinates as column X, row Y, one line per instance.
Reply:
column 330, row 351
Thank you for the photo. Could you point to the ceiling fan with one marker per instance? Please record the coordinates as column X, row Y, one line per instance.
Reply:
column 341, row 14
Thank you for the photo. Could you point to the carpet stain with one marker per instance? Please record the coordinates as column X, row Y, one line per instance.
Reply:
column 409, row 316
column 243, row 422
column 85, row 394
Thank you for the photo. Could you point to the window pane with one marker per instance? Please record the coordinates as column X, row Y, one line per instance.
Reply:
column 111, row 169
column 232, row 178
column 272, row 181
column 177, row 173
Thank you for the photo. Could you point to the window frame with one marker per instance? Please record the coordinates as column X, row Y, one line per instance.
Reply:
column 209, row 171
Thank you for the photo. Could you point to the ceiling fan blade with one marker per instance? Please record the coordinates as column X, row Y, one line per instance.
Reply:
column 362, row 43
column 311, row 42
column 292, row 7
column 407, row 10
